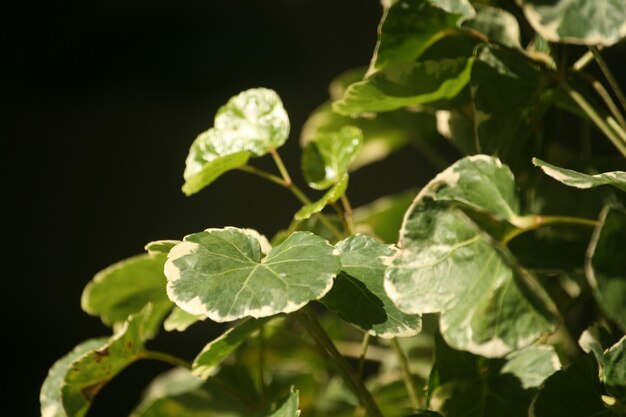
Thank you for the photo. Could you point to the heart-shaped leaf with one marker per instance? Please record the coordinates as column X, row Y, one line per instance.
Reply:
column 580, row 180
column 358, row 295
column 332, row 195
column 446, row 265
column 221, row 273
column 598, row 22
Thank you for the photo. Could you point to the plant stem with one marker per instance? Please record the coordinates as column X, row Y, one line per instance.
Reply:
column 263, row 174
column 609, row 76
column 364, row 346
column 165, row 357
column 618, row 138
column 315, row 329
column 606, row 97
column 528, row 223
column 262, row 382
column 347, row 212
column 583, row 61
column 281, row 167
column 406, row 374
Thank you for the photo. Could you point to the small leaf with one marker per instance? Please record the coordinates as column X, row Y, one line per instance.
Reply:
column 605, row 268
column 332, row 195
column 207, row 361
column 580, row 180
column 497, row 24
column 180, row 320
column 358, row 295
column 160, row 246
column 289, row 408
column 221, row 273
column 445, row 265
column 125, row 288
column 532, row 365
column 326, row 159
column 503, row 120
column 406, row 84
column 614, row 370
column 598, row 22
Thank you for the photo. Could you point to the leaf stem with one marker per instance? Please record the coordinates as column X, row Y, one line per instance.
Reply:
column 364, row 346
column 532, row 222
column 406, row 374
column 314, row 328
column 583, row 61
column 347, row 212
column 606, row 97
column 262, row 382
column 609, row 129
column 281, row 166
column 165, row 357
column 609, row 76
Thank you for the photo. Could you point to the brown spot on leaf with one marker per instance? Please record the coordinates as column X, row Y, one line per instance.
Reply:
column 90, row 391
column 100, row 354
column 129, row 345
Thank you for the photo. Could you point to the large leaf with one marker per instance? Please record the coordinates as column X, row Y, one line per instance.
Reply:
column 358, row 295
column 250, row 124
column 597, row 22
column 409, row 27
column 221, row 273
column 208, row 360
column 333, row 194
column 497, row 24
column 580, row 180
column 446, row 265
column 605, row 266
column 406, row 84
column 327, row 157
column 125, row 288
column 507, row 90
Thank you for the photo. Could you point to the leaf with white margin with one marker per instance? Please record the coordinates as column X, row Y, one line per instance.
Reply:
column 180, row 320
column 358, row 295
column 597, row 22
column 289, row 408
column 208, row 360
column 532, row 365
column 332, row 195
column 409, row 27
column 497, row 24
column 326, row 159
column 221, row 273
column 614, row 370
column 406, row 84
column 250, row 124
column 160, row 246
column 446, row 265
column 580, row 180
column 125, row 288
column 605, row 268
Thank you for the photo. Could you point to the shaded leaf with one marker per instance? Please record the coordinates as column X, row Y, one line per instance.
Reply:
column 180, row 320
column 614, row 370
column 580, row 180
column 326, row 158
column 598, row 22
column 497, row 24
column 330, row 196
column 125, row 288
column 605, row 268
column 488, row 305
column 358, row 295
column 532, row 365
column 289, row 408
column 383, row 216
column 221, row 273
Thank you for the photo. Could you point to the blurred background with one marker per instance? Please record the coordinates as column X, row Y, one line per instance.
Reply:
column 104, row 100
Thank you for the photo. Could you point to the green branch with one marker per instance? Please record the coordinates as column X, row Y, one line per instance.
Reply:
column 165, row 357
column 406, row 374
column 527, row 223
column 609, row 76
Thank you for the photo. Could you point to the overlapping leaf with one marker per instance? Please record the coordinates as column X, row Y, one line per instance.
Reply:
column 358, row 295
column 180, row 320
column 598, row 22
column 250, row 124
column 532, row 365
column 221, row 273
column 614, row 370
column 497, row 24
column 333, row 194
column 489, row 306
column 125, row 288
column 580, row 180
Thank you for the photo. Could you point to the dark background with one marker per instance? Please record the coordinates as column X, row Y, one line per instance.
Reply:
column 104, row 99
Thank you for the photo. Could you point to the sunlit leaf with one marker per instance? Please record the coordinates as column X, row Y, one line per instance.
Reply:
column 180, row 320
column 160, row 246
column 580, row 180
column 330, row 196
column 221, row 273
column 532, row 365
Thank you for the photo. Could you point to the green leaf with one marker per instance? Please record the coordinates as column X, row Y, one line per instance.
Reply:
column 614, row 370
column 220, row 273
column 605, row 268
column 332, row 195
column 573, row 392
column 598, row 22
column 532, row 365
column 289, row 408
column 488, row 304
column 180, row 320
column 50, row 396
column 125, row 288
column 160, row 246
column 497, row 24
column 88, row 373
column 406, row 84
column 250, row 124
column 383, row 216
column 358, row 295
column 326, row 159
column 409, row 27
column 580, row 180
column 209, row 359
column 507, row 90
